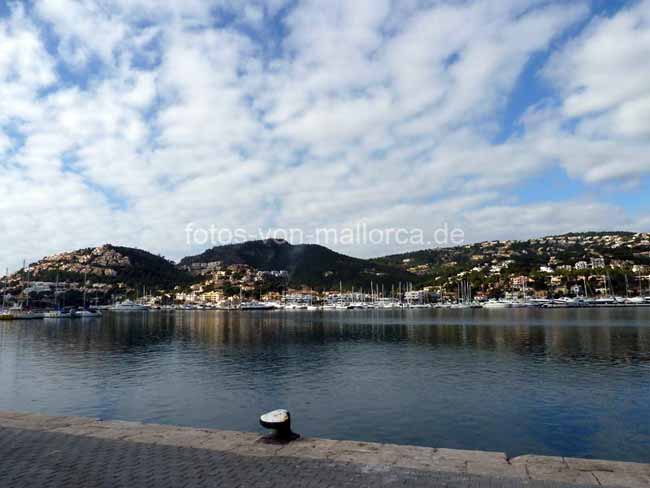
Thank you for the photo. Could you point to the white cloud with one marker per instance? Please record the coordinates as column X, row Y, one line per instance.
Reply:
column 526, row 221
column 598, row 70
column 604, row 84
column 130, row 119
column 85, row 29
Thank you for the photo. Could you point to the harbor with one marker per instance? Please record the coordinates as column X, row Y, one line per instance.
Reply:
column 318, row 301
column 303, row 243
column 338, row 306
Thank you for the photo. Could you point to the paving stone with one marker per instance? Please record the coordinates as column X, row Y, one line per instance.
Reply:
column 37, row 450
column 552, row 468
column 633, row 475
column 56, row 460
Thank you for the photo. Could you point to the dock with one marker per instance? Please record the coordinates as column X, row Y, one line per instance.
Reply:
column 45, row 451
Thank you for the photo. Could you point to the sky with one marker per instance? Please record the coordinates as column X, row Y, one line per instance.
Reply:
column 131, row 121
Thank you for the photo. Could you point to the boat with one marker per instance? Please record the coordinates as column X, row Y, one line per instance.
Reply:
column 4, row 313
column 28, row 315
column 520, row 304
column 388, row 303
column 87, row 313
column 128, row 306
column 496, row 304
column 17, row 312
column 59, row 314
column 635, row 301
column 255, row 305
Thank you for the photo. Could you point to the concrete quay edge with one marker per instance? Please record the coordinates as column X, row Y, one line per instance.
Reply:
column 481, row 463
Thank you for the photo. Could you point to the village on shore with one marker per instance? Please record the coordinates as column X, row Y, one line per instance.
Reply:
column 579, row 270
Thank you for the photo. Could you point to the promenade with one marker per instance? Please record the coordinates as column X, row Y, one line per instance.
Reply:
column 43, row 451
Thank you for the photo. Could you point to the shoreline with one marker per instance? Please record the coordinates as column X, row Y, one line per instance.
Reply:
column 369, row 455
column 41, row 315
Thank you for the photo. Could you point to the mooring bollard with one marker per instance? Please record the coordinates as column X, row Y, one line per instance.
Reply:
column 280, row 422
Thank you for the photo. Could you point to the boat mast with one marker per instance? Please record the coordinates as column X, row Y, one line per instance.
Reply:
column 85, row 283
column 28, row 281
column 56, row 292
column 4, row 291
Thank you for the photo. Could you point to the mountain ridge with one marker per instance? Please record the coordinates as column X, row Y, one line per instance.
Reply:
column 321, row 268
column 110, row 264
column 307, row 264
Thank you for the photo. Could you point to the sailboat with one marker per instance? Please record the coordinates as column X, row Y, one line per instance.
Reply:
column 58, row 313
column 4, row 313
column 85, row 312
column 20, row 313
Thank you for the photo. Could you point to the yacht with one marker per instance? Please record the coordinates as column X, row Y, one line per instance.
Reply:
column 388, row 303
column 17, row 312
column 58, row 314
column 27, row 315
column 635, row 300
column 496, row 304
column 605, row 301
column 5, row 315
column 128, row 306
column 520, row 304
column 255, row 305
column 87, row 313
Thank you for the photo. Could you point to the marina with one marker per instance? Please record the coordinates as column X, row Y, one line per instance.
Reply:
column 129, row 306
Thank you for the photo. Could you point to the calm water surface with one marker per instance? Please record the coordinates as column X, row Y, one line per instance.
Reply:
column 561, row 382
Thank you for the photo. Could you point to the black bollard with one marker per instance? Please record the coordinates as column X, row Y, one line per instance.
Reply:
column 279, row 421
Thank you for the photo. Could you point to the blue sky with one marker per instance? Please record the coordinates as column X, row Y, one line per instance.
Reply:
column 125, row 121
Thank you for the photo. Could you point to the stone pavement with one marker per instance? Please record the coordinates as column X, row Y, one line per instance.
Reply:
column 41, row 451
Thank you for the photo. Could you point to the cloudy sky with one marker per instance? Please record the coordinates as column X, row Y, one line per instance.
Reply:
column 124, row 120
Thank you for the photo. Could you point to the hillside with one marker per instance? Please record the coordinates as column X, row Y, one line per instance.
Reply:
column 619, row 260
column 526, row 255
column 307, row 264
column 491, row 262
column 110, row 264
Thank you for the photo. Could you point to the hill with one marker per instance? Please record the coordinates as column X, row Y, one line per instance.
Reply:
column 308, row 264
column 487, row 260
column 110, row 264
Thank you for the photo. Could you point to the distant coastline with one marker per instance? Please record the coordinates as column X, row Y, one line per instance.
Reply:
column 578, row 269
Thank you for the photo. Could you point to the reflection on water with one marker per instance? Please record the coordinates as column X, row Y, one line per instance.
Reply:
column 564, row 382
